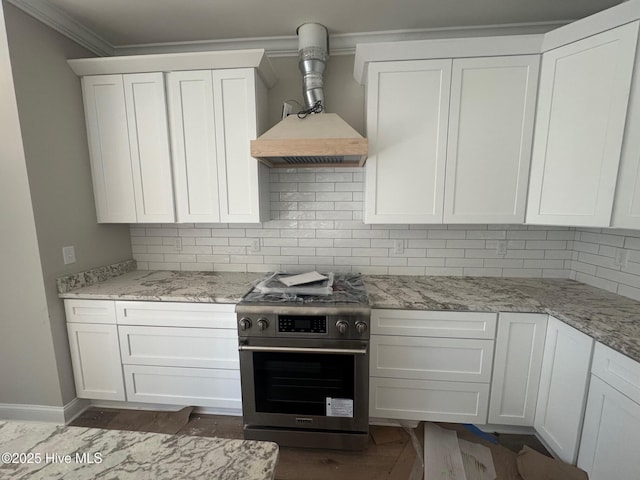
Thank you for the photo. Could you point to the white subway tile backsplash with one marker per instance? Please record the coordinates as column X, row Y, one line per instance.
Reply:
column 317, row 224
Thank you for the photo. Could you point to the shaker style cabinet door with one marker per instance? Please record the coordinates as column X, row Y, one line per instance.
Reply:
column 149, row 146
column 582, row 107
column 407, row 117
column 242, row 179
column 563, row 388
column 517, row 366
column 95, row 357
column 129, row 147
column 609, row 447
column 193, row 145
column 108, row 136
column 490, row 135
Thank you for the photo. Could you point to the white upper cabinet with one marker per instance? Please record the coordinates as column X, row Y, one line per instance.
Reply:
column 214, row 115
column 149, row 146
column 239, row 117
column 449, row 140
column 626, row 207
column 129, row 147
column 407, row 116
column 193, row 136
column 193, row 146
column 489, row 141
column 582, row 107
column 108, row 137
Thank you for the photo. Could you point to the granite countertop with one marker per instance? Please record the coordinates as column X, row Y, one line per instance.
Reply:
column 170, row 286
column 55, row 452
column 611, row 319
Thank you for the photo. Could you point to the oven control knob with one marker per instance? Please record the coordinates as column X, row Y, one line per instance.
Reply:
column 263, row 324
column 361, row 327
column 342, row 327
column 245, row 323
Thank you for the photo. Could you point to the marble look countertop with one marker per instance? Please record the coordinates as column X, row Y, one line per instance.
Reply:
column 611, row 319
column 170, row 286
column 77, row 453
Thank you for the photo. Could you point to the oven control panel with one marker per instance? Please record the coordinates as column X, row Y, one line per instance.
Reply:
column 302, row 324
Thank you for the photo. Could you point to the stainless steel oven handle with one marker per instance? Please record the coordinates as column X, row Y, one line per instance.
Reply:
column 334, row 351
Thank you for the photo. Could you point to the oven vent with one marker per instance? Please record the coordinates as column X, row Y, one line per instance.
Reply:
column 304, row 421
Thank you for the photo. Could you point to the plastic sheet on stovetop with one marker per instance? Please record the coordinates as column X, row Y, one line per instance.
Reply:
column 348, row 288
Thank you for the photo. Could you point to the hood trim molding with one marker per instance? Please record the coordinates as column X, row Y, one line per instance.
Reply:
column 320, row 140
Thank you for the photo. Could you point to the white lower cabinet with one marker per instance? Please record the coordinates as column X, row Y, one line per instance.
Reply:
column 517, row 366
column 609, row 445
column 202, row 387
column 563, row 388
column 403, row 399
column 420, row 373
column 95, row 352
column 170, row 353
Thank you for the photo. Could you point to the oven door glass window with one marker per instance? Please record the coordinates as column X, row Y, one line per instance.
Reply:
column 299, row 383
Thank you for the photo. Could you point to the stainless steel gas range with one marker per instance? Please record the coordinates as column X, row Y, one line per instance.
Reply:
column 304, row 365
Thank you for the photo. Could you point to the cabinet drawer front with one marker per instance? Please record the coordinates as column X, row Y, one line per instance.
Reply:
column 450, row 359
column 617, row 370
column 90, row 311
column 170, row 314
column 179, row 347
column 199, row 387
column 427, row 400
column 433, row 324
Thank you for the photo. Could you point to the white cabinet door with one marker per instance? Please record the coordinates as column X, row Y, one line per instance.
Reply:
column 609, row 446
column 149, row 146
column 563, row 388
column 582, row 107
column 242, row 179
column 448, row 359
column 129, row 147
column 95, row 357
column 434, row 401
column 490, row 135
column 193, row 145
column 179, row 347
column 407, row 116
column 517, row 366
column 201, row 387
column 108, row 136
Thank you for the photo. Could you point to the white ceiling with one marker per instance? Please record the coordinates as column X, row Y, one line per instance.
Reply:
column 140, row 22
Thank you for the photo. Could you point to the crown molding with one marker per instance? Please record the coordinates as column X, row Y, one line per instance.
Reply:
column 64, row 24
column 340, row 44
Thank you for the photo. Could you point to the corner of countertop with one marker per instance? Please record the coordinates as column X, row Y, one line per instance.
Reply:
column 95, row 275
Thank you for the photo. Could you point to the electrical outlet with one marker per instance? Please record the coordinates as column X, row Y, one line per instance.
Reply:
column 622, row 257
column 398, row 246
column 69, row 254
column 501, row 247
column 255, row 245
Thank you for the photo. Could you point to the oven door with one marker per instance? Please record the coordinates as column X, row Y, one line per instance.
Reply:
column 305, row 384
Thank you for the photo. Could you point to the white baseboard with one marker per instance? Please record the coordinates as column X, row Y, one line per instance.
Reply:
column 43, row 413
column 74, row 408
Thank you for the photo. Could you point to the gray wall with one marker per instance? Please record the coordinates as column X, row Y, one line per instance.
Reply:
column 343, row 95
column 28, row 374
column 57, row 162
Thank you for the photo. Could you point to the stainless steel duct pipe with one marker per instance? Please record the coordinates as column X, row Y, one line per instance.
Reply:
column 313, row 51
